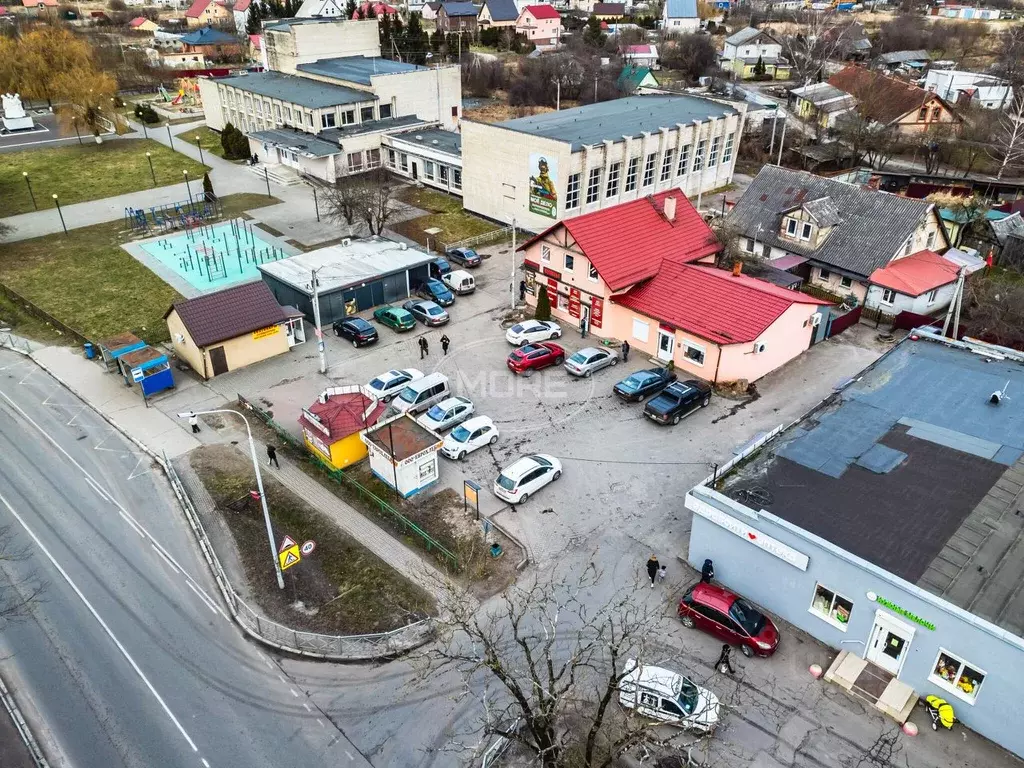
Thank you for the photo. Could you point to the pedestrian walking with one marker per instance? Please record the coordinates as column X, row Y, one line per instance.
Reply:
column 653, row 567
column 445, row 341
column 707, row 571
column 193, row 421
column 625, row 351
column 662, row 572
column 272, row 457
column 424, row 347
column 724, row 663
column 522, row 291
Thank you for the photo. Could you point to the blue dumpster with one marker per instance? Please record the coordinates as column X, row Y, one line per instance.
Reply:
column 90, row 351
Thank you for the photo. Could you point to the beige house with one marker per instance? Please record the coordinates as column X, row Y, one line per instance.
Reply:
column 230, row 329
column 205, row 13
column 888, row 101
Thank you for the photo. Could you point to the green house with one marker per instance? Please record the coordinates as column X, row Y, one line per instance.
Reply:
column 633, row 78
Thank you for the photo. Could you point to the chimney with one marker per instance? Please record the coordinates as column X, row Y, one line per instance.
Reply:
column 737, row 268
column 670, row 208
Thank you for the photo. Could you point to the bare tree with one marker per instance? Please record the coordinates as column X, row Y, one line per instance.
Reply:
column 367, row 197
column 969, row 210
column 996, row 310
column 811, row 44
column 1007, row 147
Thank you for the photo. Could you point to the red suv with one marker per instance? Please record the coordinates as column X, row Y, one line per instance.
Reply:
column 533, row 357
column 730, row 618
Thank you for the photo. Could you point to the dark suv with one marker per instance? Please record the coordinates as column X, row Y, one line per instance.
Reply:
column 356, row 330
column 730, row 618
column 678, row 400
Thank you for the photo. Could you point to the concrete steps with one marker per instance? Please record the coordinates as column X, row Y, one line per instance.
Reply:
column 279, row 174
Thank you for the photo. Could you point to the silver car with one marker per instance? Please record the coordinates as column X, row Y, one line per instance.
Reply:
column 447, row 413
column 590, row 359
column 427, row 312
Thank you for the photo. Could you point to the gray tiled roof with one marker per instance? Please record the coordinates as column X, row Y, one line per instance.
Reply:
column 899, row 57
column 356, row 69
column 459, row 9
column 1004, row 227
column 297, row 90
column 435, row 138
column 824, row 211
column 299, row 141
column 745, row 34
column 874, row 224
column 612, row 120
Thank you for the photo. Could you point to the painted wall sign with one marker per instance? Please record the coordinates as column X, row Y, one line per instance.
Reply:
column 574, row 302
column 901, row 611
column 263, row 333
column 596, row 312
column 543, row 185
column 760, row 540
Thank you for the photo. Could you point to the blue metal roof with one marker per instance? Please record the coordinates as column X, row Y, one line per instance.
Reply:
column 502, row 10
column 297, row 90
column 613, row 120
column 209, row 36
column 459, row 9
column 681, row 9
column 356, row 69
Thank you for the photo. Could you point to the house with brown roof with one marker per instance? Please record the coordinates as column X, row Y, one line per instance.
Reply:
column 220, row 332
column 892, row 102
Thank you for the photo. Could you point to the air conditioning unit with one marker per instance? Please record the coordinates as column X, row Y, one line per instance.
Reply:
column 815, row 320
column 759, row 347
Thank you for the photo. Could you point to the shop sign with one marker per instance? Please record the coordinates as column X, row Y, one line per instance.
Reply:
column 900, row 611
column 263, row 333
column 543, row 185
column 574, row 302
column 760, row 540
column 552, row 273
column 596, row 312
column 316, row 442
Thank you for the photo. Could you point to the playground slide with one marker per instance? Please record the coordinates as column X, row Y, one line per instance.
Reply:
column 164, row 94
column 179, row 97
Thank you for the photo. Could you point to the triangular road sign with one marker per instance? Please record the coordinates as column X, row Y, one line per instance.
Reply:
column 289, row 557
column 288, row 543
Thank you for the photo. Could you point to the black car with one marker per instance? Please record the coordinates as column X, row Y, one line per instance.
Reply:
column 356, row 330
column 437, row 291
column 678, row 400
column 638, row 386
column 467, row 257
column 439, row 267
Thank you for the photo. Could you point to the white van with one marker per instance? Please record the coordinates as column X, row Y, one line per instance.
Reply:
column 460, row 281
column 665, row 695
column 420, row 394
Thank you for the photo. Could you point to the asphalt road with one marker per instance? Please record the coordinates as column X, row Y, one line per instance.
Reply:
column 128, row 659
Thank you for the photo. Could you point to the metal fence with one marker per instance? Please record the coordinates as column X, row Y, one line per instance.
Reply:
column 18, row 344
column 750, row 448
column 486, row 237
column 332, row 647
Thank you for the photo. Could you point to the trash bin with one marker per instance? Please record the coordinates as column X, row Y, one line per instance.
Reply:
column 90, row 350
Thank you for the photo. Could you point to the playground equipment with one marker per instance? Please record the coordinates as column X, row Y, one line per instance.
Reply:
column 188, row 92
column 164, row 94
column 165, row 218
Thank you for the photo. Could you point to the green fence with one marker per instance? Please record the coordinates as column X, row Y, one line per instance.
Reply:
column 338, row 476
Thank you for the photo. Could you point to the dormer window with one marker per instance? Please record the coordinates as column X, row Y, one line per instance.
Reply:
column 791, row 227
column 805, row 231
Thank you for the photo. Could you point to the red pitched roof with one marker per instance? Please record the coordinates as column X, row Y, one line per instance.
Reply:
column 196, row 9
column 379, row 9
column 256, row 41
column 915, row 274
column 138, row 21
column 712, row 303
column 342, row 415
column 241, row 5
column 36, row 3
column 880, row 97
column 641, row 50
column 543, row 11
column 628, row 242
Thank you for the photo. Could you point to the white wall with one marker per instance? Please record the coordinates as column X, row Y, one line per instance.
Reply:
column 430, row 94
column 303, row 43
column 922, row 305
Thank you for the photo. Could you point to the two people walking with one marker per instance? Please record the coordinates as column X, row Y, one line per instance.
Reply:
column 425, row 345
column 655, row 570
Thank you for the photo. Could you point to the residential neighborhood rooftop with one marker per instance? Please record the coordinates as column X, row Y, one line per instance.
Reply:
column 297, row 90
column 900, row 57
column 545, row 11
column 916, row 274
column 608, row 9
column 913, row 468
column 502, row 10
column 882, row 98
column 226, row 314
column 614, row 120
column 681, row 9
column 208, row 36
column 370, row 126
column 356, row 69
column 459, row 9
column 745, row 34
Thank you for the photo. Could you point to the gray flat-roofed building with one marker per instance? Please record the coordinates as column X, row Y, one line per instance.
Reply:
column 297, row 90
column 298, row 141
column 353, row 276
column 432, row 157
column 356, row 69
column 408, row 122
column 597, row 156
column 886, row 523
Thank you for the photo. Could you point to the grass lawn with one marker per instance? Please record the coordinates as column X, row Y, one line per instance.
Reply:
column 87, row 281
column 345, row 589
column 27, row 325
column 210, row 140
column 88, row 172
column 446, row 213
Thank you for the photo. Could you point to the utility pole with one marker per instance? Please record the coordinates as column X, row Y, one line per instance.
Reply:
column 558, row 95
column 512, row 279
column 321, row 347
column 595, row 88
column 782, row 141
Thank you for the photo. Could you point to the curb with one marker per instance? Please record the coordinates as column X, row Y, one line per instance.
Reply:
column 22, row 725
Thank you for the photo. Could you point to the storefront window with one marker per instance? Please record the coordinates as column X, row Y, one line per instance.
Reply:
column 957, row 676
column 832, row 607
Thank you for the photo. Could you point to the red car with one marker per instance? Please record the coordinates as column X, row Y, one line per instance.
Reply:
column 533, row 357
column 730, row 618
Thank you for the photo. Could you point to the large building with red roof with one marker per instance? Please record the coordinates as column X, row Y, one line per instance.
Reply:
column 644, row 272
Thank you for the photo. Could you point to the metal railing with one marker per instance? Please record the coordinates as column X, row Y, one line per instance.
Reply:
column 486, row 237
column 750, row 448
column 18, row 344
column 259, row 627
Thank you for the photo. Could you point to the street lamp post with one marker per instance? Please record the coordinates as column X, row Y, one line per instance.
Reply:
column 199, row 143
column 316, row 204
column 30, row 192
column 60, row 213
column 266, row 177
column 321, row 346
column 170, row 138
column 74, row 122
column 187, row 187
column 149, row 156
column 259, row 485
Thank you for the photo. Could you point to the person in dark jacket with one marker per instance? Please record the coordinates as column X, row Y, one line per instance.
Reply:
column 707, row 571
column 625, row 351
column 445, row 342
column 522, row 291
column 724, row 663
column 424, row 347
column 653, row 566
column 272, row 457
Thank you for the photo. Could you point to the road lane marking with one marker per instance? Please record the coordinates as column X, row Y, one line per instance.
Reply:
column 293, row 693
column 172, row 566
column 100, row 491
column 131, row 523
column 206, row 600
column 281, row 678
column 135, row 472
column 102, row 623
column 205, row 764
column 307, row 707
column 320, row 723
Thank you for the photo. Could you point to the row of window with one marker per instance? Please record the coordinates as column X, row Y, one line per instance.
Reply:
column 702, row 158
column 693, row 352
column 259, row 107
column 439, row 172
column 568, row 263
column 950, row 672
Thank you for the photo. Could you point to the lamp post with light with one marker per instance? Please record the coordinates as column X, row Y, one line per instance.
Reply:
column 60, row 213
column 199, row 143
column 149, row 157
column 187, row 187
column 30, row 192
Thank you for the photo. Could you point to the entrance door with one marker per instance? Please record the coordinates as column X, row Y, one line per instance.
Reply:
column 889, row 642
column 666, row 345
column 415, row 171
column 219, row 361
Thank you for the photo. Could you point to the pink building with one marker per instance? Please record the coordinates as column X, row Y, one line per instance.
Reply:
column 642, row 272
column 541, row 24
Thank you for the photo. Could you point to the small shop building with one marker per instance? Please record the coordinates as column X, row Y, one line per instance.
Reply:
column 332, row 426
column 230, row 329
column 886, row 523
column 403, row 454
column 351, row 276
column 147, row 367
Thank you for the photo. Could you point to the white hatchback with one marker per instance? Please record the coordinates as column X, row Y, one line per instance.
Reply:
column 468, row 436
column 520, row 480
column 387, row 386
column 532, row 331
column 447, row 413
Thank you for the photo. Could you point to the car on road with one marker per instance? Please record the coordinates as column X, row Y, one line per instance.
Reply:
column 730, row 618
column 435, row 290
column 427, row 312
column 638, row 386
column 465, row 257
column 533, row 357
column 356, row 330
column 387, row 386
column 679, row 399
column 460, row 281
column 468, row 436
column 446, row 414
column 530, row 331
column 662, row 694
column 395, row 318
column 589, row 360
column 523, row 478
column 439, row 268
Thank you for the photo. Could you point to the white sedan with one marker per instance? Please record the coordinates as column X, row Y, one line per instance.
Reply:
column 532, row 331
column 518, row 481
column 387, row 386
column 468, row 436
column 447, row 413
